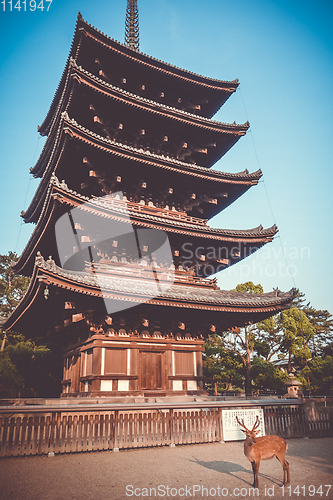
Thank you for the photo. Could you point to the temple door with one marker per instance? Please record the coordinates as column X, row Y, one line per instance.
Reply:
column 151, row 370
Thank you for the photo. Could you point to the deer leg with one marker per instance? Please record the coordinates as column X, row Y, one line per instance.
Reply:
column 255, row 469
column 254, row 472
column 286, row 472
column 285, row 466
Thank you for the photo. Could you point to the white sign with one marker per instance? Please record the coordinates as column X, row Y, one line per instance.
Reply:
column 232, row 429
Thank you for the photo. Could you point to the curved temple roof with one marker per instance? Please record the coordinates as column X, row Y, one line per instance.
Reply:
column 166, row 116
column 221, row 89
column 46, row 273
column 58, row 192
column 39, row 168
column 72, row 129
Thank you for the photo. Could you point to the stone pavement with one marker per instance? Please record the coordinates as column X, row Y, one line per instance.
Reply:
column 203, row 471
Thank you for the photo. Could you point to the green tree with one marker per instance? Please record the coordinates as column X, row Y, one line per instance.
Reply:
column 243, row 341
column 249, row 287
column 12, row 286
column 297, row 333
column 12, row 289
column 320, row 319
column 28, row 370
column 222, row 369
column 266, row 375
column 11, row 381
column 268, row 338
column 322, row 323
column 328, row 349
column 317, row 375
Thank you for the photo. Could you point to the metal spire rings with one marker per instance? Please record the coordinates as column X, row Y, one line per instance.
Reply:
column 132, row 25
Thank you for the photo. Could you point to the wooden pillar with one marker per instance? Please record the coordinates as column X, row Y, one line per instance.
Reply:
column 199, row 369
column 76, row 363
column 168, row 369
column 134, row 369
column 96, row 368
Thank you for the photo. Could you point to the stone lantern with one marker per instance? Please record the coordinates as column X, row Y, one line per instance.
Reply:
column 293, row 388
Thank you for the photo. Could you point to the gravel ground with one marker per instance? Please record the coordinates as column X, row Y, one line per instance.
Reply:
column 194, row 471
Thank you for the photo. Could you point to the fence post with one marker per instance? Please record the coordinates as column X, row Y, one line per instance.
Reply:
column 220, row 427
column 115, row 431
column 52, row 435
column 304, row 418
column 172, row 428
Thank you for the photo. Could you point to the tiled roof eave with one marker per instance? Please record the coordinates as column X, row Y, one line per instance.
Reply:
column 73, row 129
column 127, row 287
column 156, row 64
column 58, row 192
column 48, row 274
column 208, row 173
column 81, row 30
column 57, row 145
column 258, row 234
column 136, row 102
column 239, row 176
column 84, row 76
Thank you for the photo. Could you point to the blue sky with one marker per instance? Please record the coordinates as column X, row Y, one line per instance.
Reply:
column 281, row 51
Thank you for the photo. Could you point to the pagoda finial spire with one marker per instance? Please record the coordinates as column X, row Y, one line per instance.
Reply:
column 132, row 25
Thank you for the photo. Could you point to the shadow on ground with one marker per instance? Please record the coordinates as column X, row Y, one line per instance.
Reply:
column 318, row 452
column 233, row 470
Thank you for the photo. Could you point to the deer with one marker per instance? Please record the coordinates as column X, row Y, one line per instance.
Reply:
column 264, row 448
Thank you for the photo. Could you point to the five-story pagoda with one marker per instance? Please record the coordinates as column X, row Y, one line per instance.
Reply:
column 122, row 122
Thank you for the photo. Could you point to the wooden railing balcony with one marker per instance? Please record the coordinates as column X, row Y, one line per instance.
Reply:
column 159, row 212
column 131, row 269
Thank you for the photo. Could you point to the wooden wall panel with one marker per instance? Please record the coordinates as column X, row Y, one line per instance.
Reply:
column 115, row 361
column 184, row 363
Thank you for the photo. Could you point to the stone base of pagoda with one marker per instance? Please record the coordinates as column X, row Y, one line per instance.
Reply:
column 134, row 366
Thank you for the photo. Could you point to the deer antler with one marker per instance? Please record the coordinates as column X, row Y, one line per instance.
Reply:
column 256, row 424
column 242, row 424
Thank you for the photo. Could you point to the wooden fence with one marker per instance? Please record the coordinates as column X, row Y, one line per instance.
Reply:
column 81, row 428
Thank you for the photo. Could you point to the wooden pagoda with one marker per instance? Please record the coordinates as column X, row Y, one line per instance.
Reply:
column 122, row 121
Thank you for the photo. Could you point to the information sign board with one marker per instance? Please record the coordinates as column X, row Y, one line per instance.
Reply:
column 231, row 428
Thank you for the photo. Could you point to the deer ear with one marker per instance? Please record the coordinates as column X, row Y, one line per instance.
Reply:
column 242, row 430
column 257, row 432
